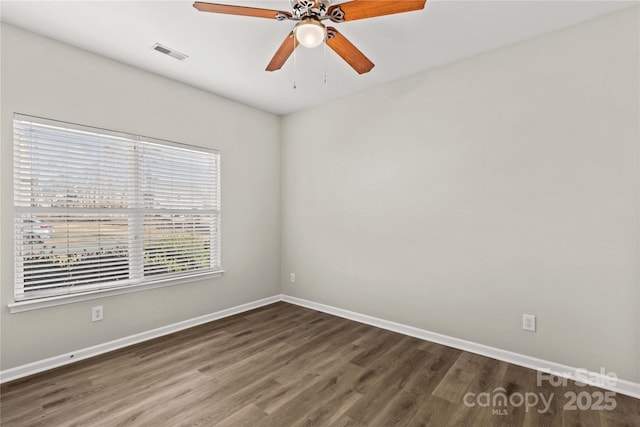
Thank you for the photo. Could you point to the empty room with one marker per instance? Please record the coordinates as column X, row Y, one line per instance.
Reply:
column 320, row 213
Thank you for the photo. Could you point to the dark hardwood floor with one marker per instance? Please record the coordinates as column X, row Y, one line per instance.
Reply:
column 284, row 365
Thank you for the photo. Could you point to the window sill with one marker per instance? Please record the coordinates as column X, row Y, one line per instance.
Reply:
column 36, row 304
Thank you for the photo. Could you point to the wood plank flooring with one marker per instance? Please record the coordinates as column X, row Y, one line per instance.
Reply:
column 283, row 365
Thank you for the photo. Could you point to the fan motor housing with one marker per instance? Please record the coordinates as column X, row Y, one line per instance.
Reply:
column 309, row 8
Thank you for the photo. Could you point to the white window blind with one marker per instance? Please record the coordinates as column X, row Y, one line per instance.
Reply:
column 97, row 209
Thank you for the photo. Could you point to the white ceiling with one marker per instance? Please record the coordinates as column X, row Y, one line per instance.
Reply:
column 228, row 54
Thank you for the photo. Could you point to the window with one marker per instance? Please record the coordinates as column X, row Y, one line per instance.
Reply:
column 96, row 209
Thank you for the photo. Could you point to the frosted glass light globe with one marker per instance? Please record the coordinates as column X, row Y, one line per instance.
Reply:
column 310, row 33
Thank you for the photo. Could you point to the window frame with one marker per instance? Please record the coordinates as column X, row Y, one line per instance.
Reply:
column 136, row 212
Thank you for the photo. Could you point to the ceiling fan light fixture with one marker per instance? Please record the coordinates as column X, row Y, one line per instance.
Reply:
column 310, row 33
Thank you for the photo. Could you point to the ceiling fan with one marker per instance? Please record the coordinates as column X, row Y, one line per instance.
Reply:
column 311, row 32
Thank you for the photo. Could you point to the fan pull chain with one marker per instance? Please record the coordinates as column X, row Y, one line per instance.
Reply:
column 294, row 62
column 324, row 60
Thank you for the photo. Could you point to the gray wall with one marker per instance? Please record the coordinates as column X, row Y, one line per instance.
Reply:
column 458, row 199
column 45, row 78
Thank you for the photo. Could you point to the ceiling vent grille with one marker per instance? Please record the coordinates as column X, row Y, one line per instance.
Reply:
column 168, row 51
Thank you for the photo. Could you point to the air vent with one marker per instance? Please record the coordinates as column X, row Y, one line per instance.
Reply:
column 168, row 51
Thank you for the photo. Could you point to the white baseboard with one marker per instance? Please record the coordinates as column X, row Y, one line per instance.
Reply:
column 85, row 353
column 625, row 387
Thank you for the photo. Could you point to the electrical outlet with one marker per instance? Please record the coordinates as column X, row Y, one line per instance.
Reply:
column 529, row 322
column 97, row 313
column 293, row 277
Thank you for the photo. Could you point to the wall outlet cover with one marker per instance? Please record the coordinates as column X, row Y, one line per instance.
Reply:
column 529, row 322
column 97, row 313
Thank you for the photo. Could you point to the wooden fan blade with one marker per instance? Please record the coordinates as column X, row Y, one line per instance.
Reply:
column 360, row 9
column 348, row 51
column 284, row 52
column 239, row 10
